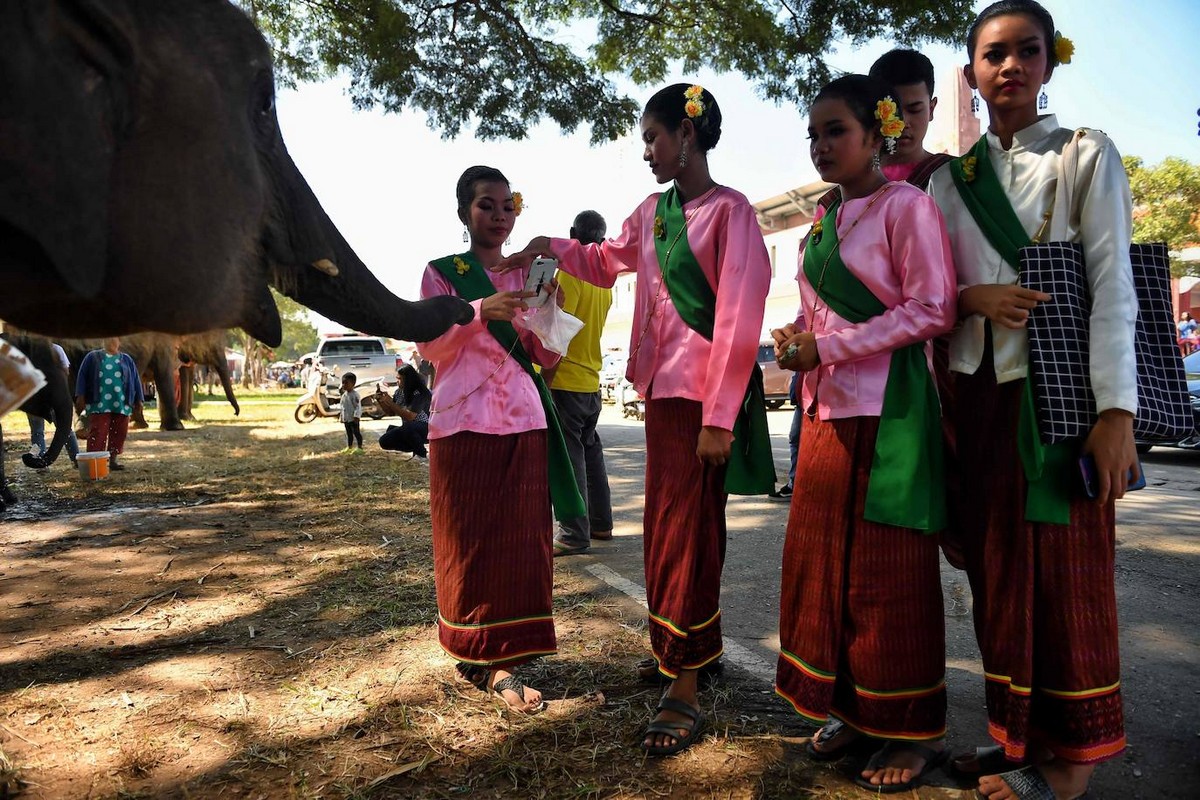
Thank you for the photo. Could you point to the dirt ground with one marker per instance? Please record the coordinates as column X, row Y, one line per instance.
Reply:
column 245, row 612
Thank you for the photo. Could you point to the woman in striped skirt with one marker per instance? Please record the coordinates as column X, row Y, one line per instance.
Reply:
column 493, row 444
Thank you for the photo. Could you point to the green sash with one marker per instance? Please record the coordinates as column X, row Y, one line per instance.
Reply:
column 751, row 467
column 907, row 486
column 474, row 284
column 1047, row 467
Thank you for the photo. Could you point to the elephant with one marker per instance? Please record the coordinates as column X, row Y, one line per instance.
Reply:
column 145, row 185
column 52, row 403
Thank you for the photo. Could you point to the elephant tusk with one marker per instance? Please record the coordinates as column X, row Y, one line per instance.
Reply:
column 326, row 266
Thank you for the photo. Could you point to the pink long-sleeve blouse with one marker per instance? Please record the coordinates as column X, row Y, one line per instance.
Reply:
column 479, row 387
column 667, row 358
column 900, row 251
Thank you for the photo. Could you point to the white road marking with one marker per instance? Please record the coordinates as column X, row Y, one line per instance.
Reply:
column 738, row 655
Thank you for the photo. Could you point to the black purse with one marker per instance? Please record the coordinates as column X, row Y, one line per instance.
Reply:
column 1059, row 352
column 1059, row 345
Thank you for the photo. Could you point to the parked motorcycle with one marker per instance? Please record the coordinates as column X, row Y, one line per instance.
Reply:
column 317, row 402
column 631, row 401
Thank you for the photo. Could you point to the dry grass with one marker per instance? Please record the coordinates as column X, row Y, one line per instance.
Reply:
column 256, row 621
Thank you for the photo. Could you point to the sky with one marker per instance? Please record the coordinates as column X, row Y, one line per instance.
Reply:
column 387, row 180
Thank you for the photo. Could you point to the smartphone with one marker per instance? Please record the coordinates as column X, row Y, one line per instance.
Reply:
column 1091, row 483
column 541, row 272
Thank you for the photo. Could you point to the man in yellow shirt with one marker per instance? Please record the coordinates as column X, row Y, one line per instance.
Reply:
column 575, row 386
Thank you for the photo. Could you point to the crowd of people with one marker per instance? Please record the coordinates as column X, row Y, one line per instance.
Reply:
column 913, row 436
column 912, row 355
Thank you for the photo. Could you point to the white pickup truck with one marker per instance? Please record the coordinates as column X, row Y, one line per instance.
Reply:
column 366, row 356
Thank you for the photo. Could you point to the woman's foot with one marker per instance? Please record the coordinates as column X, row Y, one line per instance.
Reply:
column 516, row 695
column 683, row 689
column 901, row 764
column 834, row 740
column 1068, row 781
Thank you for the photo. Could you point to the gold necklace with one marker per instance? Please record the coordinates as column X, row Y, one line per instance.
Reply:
column 880, row 192
column 704, row 198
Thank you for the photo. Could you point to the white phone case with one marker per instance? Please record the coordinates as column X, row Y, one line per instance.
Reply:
column 541, row 272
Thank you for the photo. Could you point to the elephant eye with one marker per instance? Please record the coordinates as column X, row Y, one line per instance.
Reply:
column 263, row 103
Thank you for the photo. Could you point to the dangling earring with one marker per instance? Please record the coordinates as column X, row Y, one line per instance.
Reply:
column 466, row 238
column 683, row 155
column 1043, row 100
column 974, row 101
column 508, row 241
column 875, row 160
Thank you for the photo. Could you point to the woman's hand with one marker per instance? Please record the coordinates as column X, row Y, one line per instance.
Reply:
column 538, row 246
column 1111, row 444
column 798, row 352
column 503, row 306
column 1005, row 304
column 713, row 445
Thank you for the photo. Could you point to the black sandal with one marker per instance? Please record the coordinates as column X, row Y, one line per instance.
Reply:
column 513, row 684
column 473, row 674
column 933, row 760
column 989, row 760
column 710, row 674
column 479, row 677
column 692, row 727
column 830, row 731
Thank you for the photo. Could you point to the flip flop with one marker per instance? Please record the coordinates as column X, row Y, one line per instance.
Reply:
column 479, row 676
column 1027, row 783
column 830, row 731
column 933, row 760
column 988, row 760
column 513, row 684
column 693, row 725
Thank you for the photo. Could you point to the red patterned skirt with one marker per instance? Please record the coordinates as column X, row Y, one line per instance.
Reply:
column 1044, row 598
column 684, row 539
column 492, row 547
column 861, row 628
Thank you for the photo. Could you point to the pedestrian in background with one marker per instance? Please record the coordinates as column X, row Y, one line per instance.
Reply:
column 109, row 388
column 575, row 386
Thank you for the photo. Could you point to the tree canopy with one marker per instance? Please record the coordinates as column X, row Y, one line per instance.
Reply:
column 1166, row 205
column 504, row 66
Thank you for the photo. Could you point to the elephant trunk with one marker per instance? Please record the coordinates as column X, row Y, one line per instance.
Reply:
column 313, row 264
column 227, row 384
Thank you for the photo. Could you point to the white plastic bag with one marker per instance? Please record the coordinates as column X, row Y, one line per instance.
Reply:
column 554, row 327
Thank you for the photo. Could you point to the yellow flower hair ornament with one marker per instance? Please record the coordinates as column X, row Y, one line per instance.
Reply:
column 694, row 106
column 1064, row 48
column 518, row 204
column 890, row 124
column 460, row 266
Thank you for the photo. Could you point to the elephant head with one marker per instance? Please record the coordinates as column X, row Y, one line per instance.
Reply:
column 144, row 183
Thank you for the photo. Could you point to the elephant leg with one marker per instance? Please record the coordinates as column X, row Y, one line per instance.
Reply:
column 186, row 374
column 168, row 411
column 137, row 419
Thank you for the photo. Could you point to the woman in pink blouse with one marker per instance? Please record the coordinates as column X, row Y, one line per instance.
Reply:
column 861, row 631
column 702, row 277
column 490, row 439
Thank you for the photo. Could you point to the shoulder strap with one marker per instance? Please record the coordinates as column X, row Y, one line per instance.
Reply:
column 924, row 171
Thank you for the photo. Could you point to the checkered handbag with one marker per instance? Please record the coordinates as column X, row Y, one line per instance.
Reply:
column 1059, row 353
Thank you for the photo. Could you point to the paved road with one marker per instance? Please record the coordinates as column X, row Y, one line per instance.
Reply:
column 1158, row 593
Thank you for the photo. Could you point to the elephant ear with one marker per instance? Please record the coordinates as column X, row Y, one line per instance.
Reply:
column 65, row 102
